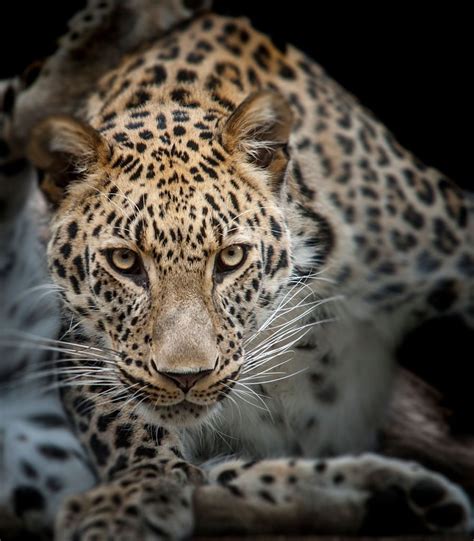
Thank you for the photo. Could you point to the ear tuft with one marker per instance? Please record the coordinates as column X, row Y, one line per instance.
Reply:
column 64, row 149
column 259, row 129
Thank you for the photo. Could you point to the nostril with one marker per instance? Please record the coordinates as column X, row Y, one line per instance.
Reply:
column 185, row 380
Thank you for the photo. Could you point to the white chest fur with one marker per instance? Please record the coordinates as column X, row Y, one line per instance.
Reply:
column 331, row 405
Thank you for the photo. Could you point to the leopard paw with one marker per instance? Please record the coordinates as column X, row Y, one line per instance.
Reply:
column 150, row 509
column 407, row 498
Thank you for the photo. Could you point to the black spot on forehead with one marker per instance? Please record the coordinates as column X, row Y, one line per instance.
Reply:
column 146, row 134
column 72, row 230
column 161, row 121
column 139, row 98
column 195, row 58
column 186, row 76
column 159, row 74
column 275, row 228
column 179, row 131
column 140, row 114
column 100, row 449
column 180, row 115
column 192, row 145
column 210, row 199
column 180, row 95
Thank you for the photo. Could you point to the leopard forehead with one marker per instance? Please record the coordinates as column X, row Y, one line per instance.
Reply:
column 183, row 211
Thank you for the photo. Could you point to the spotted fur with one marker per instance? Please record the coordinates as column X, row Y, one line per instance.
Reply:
column 213, row 137
column 41, row 461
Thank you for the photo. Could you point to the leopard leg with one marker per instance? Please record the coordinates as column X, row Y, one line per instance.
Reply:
column 148, row 502
column 368, row 494
column 145, row 489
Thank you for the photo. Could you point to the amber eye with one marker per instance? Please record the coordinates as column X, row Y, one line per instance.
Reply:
column 124, row 261
column 231, row 258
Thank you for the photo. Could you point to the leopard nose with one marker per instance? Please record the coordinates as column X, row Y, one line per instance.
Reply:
column 185, row 380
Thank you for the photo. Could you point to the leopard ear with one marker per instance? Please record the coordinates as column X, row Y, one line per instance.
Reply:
column 65, row 150
column 259, row 129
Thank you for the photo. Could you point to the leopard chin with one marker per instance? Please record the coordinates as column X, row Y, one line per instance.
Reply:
column 185, row 414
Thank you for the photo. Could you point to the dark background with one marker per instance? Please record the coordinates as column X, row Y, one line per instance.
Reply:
column 413, row 69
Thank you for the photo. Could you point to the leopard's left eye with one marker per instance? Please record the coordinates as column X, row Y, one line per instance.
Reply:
column 231, row 258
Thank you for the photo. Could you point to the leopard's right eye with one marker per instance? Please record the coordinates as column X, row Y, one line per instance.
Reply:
column 125, row 261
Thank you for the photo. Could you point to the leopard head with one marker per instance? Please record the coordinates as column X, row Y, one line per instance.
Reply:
column 170, row 248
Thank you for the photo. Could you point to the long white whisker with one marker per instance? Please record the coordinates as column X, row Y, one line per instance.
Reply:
column 36, row 338
column 275, row 339
column 254, row 376
column 50, row 288
column 292, row 374
column 312, row 307
column 241, row 394
column 280, row 363
column 45, row 347
column 263, row 348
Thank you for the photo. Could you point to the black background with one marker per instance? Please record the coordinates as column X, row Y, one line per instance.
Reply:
column 413, row 69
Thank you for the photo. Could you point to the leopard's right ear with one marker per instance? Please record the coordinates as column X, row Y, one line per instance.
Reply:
column 65, row 150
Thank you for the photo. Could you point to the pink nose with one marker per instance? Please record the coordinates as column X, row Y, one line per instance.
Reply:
column 185, row 380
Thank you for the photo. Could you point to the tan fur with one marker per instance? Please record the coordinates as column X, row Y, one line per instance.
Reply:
column 63, row 147
column 259, row 128
column 216, row 138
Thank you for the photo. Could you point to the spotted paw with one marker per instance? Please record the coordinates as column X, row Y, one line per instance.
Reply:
column 143, row 506
column 368, row 494
column 406, row 498
column 442, row 505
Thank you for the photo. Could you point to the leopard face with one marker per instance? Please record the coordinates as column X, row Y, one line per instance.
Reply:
column 175, row 271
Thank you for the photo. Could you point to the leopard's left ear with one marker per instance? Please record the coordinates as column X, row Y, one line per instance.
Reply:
column 259, row 130
column 66, row 150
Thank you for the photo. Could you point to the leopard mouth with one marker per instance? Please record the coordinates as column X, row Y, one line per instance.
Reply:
column 185, row 410
column 158, row 397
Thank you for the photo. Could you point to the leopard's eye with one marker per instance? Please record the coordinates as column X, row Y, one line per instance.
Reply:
column 124, row 261
column 231, row 258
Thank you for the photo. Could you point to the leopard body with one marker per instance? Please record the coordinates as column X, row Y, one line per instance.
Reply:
column 206, row 139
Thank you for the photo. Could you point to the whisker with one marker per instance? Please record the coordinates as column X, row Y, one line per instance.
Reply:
column 241, row 394
column 46, row 344
column 292, row 374
column 49, row 287
column 280, row 363
column 234, row 402
column 252, row 376
column 274, row 339
column 264, row 347
column 62, row 384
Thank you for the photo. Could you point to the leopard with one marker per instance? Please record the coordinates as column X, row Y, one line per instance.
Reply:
column 237, row 246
